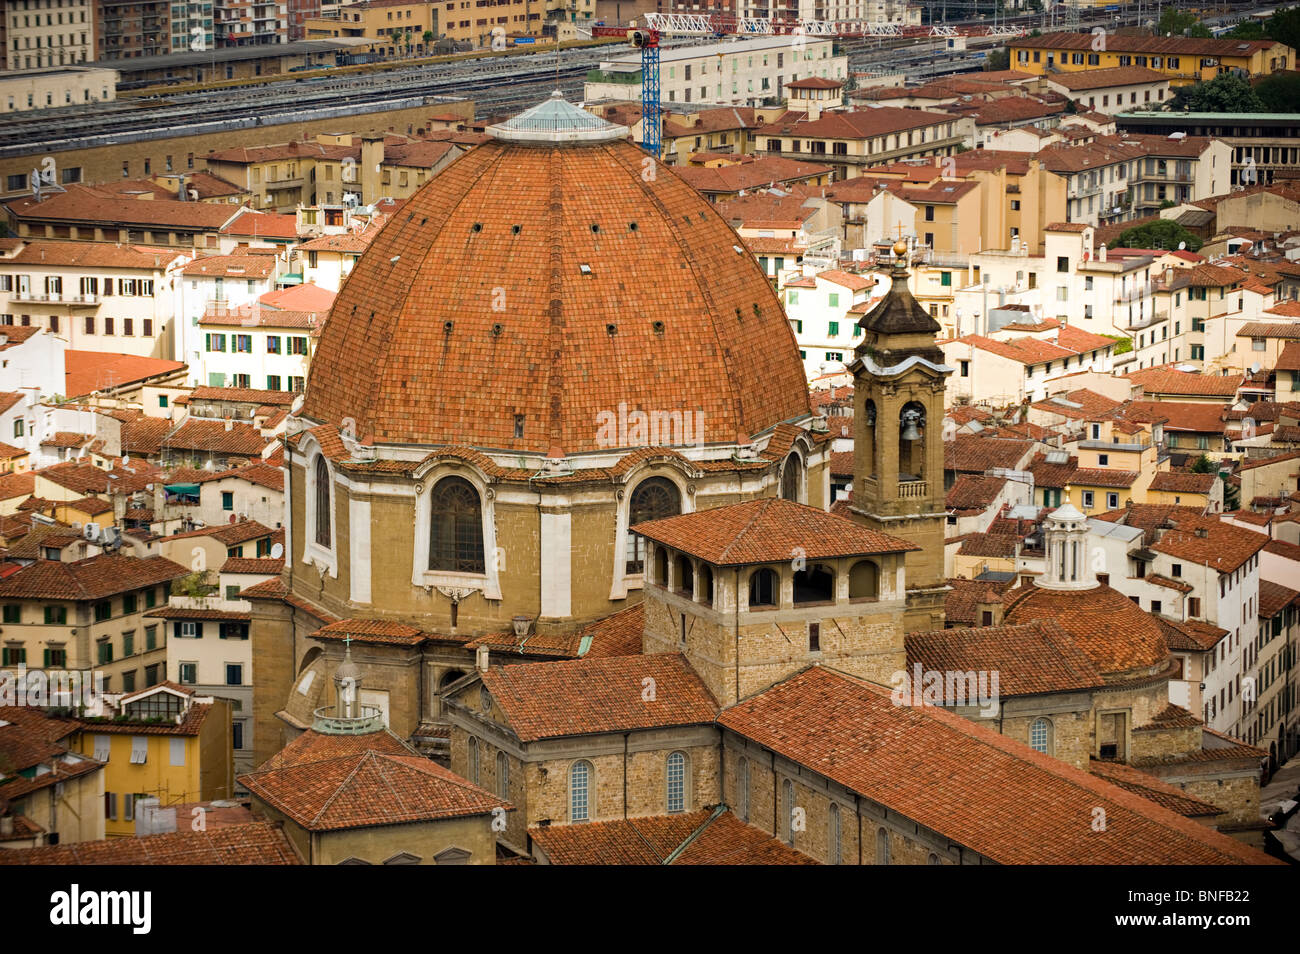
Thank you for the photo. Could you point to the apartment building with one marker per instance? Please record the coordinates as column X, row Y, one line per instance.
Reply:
column 38, row 34
column 250, row 22
column 824, row 309
column 89, row 615
column 24, row 90
column 165, row 742
column 1265, row 147
column 1022, row 362
column 98, row 296
column 748, row 72
column 378, row 20
column 1113, row 89
column 256, row 347
column 1273, row 713
column 853, row 140
column 1183, row 60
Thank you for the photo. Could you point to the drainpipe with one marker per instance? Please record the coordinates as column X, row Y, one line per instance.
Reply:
column 736, row 630
column 625, row 738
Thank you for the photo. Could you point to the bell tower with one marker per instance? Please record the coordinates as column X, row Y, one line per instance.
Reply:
column 899, row 378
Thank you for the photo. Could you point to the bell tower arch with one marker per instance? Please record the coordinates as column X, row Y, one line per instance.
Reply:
column 899, row 378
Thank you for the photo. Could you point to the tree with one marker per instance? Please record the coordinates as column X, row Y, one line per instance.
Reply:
column 194, row 585
column 396, row 37
column 1226, row 93
column 1162, row 233
column 1284, row 26
column 1279, row 93
column 1203, row 465
column 998, row 60
column 1175, row 22
column 427, row 37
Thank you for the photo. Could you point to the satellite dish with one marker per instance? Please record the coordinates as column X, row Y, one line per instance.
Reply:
column 126, row 459
column 277, row 551
column 1254, row 368
column 233, row 518
column 1182, row 246
column 148, row 487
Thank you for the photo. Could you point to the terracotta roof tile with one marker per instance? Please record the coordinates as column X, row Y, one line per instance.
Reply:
column 1274, row 597
column 767, row 531
column 257, row 843
column 1174, row 481
column 1166, row 381
column 960, row 603
column 547, row 700
column 957, row 778
column 368, row 789
column 973, row 454
column 1031, row 658
column 94, row 578
column 88, row 371
column 1151, row 788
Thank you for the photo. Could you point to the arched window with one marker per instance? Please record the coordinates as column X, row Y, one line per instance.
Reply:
column 816, row 584
column 791, row 478
column 661, row 566
column 323, row 507
column 685, row 574
column 864, row 581
column 455, row 527
column 787, row 811
column 677, row 782
column 704, row 588
column 911, row 441
column 579, row 787
column 503, row 775
column 473, row 759
column 833, row 852
column 933, row 859
column 1040, row 736
column 882, row 846
column 742, row 790
column 762, row 588
column 653, row 499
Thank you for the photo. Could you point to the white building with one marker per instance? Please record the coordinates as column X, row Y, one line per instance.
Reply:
column 737, row 72
column 256, row 346
column 823, row 309
column 98, row 296
column 220, row 283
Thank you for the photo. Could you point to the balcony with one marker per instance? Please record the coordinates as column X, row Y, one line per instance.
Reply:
column 57, row 298
column 284, row 182
column 326, row 722
column 1148, row 321
column 913, row 489
column 1131, row 446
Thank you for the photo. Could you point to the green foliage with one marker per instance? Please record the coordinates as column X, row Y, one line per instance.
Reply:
column 1167, row 204
column 998, row 60
column 1247, row 30
column 1231, row 494
column 1279, row 93
column 1122, row 345
column 194, row 585
column 1226, row 93
column 1203, row 465
column 1284, row 26
column 1162, row 233
column 1176, row 22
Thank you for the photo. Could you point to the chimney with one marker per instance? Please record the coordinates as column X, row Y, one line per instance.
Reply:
column 481, row 659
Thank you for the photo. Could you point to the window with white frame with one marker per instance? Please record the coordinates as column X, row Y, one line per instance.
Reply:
column 677, row 782
column 579, row 792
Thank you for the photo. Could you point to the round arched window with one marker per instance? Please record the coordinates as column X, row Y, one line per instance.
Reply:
column 653, row 499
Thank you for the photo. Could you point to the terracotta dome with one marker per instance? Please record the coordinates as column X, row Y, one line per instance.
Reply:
column 1119, row 637
column 549, row 275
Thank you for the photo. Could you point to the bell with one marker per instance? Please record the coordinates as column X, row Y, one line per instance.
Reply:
column 910, row 431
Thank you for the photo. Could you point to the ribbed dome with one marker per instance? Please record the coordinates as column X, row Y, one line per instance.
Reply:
column 531, row 286
column 1117, row 635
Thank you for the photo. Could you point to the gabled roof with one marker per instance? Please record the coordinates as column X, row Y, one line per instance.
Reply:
column 369, row 789
column 256, row 843
column 94, row 578
column 1171, row 381
column 767, row 531
column 958, row 778
column 546, row 700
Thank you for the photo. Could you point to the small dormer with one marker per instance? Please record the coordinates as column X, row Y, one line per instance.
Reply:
column 755, row 592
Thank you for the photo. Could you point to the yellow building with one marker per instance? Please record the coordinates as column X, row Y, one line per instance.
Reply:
column 1184, row 60
column 377, row 19
column 166, row 742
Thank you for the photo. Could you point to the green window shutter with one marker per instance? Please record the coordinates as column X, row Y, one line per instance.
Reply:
column 46, row 661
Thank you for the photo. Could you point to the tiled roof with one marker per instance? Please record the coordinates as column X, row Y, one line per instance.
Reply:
column 235, row 265
column 272, row 478
column 1169, row 583
column 89, row 371
column 307, row 296
column 1120, row 43
column 1190, row 634
column 66, row 439
column 91, row 579
column 1047, row 474
column 1099, row 477
column 95, row 255
column 231, row 534
column 1116, row 634
column 1151, row 788
column 371, row 631
column 957, row 778
column 1223, row 547
column 1274, row 597
column 1289, row 359
column 414, row 350
column 702, row 837
column 79, row 205
column 960, row 603
column 546, row 700
column 190, row 724
column 368, row 789
column 1185, row 482
column 313, row 746
column 144, row 435
column 770, row 530
column 752, row 174
column 1100, row 79
column 1166, row 381
column 988, row 544
column 616, row 635
column 1288, row 551
column 215, row 437
column 1270, row 329
column 262, row 566
column 972, row 492
column 1031, row 659
column 971, row 453
column 263, row 225
column 256, row 843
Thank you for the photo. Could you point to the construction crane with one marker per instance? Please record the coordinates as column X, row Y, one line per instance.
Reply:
column 658, row 25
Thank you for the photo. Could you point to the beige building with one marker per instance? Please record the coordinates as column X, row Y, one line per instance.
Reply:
column 51, row 794
column 23, row 90
column 102, row 627
column 36, row 36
